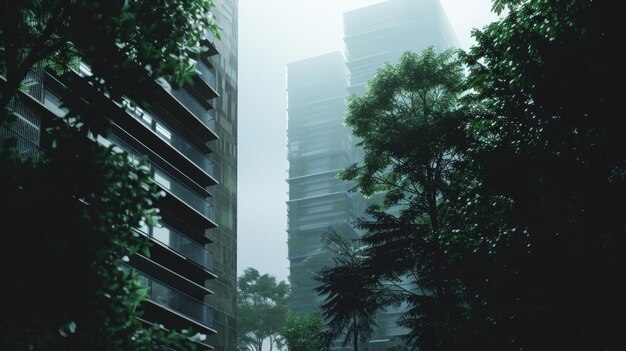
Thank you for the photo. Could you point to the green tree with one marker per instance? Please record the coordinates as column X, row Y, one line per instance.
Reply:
column 543, row 198
column 160, row 37
column 409, row 123
column 261, row 310
column 352, row 295
column 302, row 332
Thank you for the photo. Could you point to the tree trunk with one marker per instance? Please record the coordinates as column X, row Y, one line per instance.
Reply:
column 355, row 333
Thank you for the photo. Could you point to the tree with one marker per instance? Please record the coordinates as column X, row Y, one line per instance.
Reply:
column 409, row 124
column 301, row 332
column 160, row 37
column 71, row 209
column 542, row 199
column 261, row 310
column 352, row 296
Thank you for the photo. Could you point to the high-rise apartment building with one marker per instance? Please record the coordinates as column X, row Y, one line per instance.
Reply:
column 189, row 136
column 319, row 147
column 380, row 33
column 373, row 35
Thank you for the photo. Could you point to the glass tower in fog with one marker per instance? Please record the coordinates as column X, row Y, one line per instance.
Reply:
column 320, row 146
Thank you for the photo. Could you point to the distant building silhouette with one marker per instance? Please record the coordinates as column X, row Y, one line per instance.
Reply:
column 319, row 147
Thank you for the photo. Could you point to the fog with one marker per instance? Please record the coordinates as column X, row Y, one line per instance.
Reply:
column 273, row 33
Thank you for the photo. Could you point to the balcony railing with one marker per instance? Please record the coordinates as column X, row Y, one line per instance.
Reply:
column 206, row 74
column 169, row 136
column 163, row 178
column 183, row 245
column 190, row 197
column 176, row 300
column 205, row 115
column 23, row 147
column 32, row 84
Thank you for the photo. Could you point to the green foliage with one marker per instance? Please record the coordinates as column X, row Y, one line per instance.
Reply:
column 69, row 216
column 127, row 43
column 506, row 209
column 542, row 236
column 301, row 332
column 261, row 309
column 410, row 123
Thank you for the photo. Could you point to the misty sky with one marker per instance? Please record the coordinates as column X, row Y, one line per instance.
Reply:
column 273, row 33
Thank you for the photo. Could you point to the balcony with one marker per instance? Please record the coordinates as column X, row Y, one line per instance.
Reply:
column 178, row 301
column 191, row 198
column 206, row 74
column 205, row 115
column 183, row 192
column 183, row 245
column 168, row 135
column 23, row 147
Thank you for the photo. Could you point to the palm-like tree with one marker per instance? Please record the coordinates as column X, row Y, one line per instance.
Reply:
column 351, row 295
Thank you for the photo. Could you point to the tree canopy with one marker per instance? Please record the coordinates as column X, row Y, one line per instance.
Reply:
column 301, row 332
column 126, row 42
column 503, row 202
column 409, row 124
column 542, row 238
column 261, row 310
column 352, row 295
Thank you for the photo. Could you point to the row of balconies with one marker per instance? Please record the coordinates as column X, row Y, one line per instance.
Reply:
column 175, row 254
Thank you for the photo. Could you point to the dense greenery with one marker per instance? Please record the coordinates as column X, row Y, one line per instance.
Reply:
column 160, row 37
column 261, row 310
column 408, row 123
column 69, row 212
column 541, row 241
column 301, row 332
column 502, row 209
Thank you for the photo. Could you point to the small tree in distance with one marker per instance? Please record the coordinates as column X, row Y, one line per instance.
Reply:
column 261, row 310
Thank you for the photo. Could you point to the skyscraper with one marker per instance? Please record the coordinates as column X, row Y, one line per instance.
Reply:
column 374, row 35
column 189, row 136
column 380, row 33
column 319, row 147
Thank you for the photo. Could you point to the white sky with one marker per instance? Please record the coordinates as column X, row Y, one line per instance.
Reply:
column 273, row 33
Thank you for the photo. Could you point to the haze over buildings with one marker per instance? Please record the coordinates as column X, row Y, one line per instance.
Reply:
column 274, row 33
column 320, row 146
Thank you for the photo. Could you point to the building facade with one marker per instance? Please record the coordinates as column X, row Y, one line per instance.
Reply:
column 319, row 148
column 189, row 135
column 224, row 157
column 373, row 35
